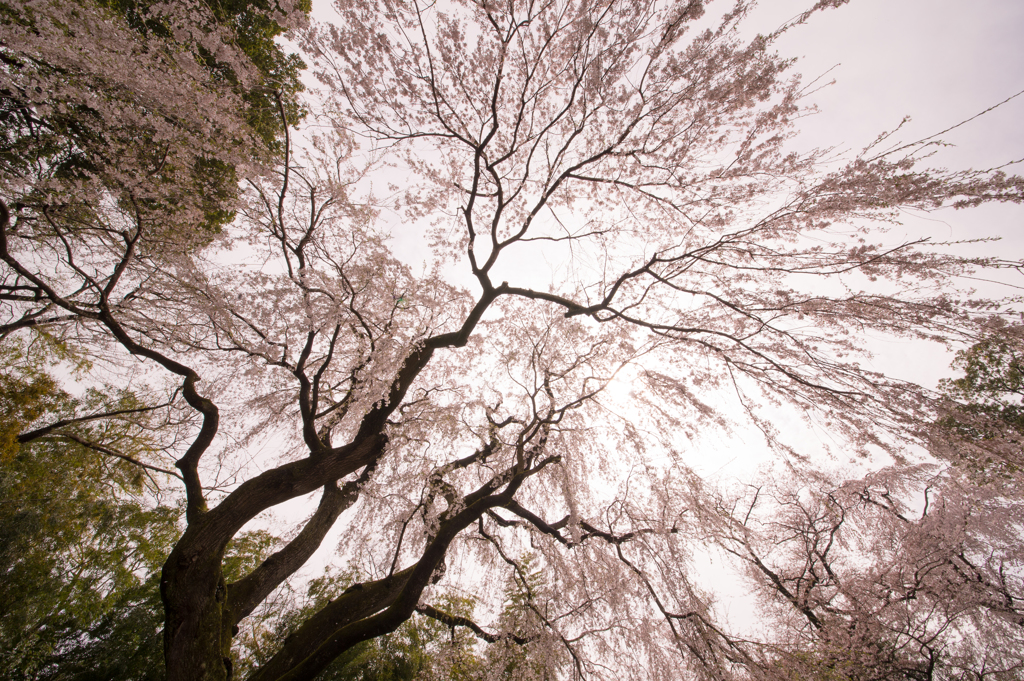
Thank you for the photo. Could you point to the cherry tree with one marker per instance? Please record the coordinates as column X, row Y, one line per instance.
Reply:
column 460, row 424
column 871, row 587
column 980, row 424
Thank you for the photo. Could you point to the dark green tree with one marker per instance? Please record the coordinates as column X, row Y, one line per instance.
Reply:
column 81, row 541
column 982, row 425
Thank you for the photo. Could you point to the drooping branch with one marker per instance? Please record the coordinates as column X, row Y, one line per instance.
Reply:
column 188, row 464
column 523, row 580
column 554, row 529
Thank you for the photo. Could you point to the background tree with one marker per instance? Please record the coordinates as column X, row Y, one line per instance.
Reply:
column 81, row 546
column 523, row 651
column 982, row 424
column 867, row 587
column 466, row 423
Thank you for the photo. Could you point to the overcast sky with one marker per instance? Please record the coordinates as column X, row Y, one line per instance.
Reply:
column 939, row 62
column 935, row 60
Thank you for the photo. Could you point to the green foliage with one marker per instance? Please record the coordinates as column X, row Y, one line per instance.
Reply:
column 23, row 399
column 246, row 551
column 993, row 380
column 79, row 567
column 80, row 549
column 986, row 425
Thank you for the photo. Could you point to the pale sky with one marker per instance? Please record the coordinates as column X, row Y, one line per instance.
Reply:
column 935, row 60
column 939, row 62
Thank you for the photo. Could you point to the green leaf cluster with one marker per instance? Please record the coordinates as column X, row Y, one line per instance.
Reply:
column 993, row 380
column 984, row 428
column 80, row 546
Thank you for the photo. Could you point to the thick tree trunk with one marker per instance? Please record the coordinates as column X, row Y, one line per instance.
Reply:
column 199, row 617
column 197, row 629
